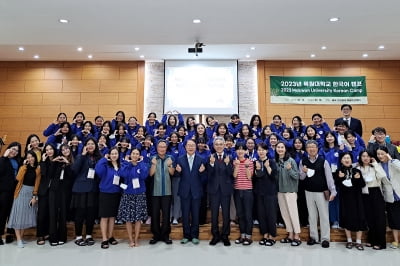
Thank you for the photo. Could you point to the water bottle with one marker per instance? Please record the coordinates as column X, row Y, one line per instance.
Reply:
column 387, row 139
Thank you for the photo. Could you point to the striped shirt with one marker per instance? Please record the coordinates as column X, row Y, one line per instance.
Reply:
column 241, row 181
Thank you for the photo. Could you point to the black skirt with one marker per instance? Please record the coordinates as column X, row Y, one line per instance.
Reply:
column 393, row 215
column 108, row 204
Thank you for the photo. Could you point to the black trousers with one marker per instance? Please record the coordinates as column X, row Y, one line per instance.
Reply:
column 160, row 204
column 224, row 201
column 6, row 201
column 374, row 206
column 244, row 210
column 267, row 213
column 88, row 214
column 58, row 209
column 42, row 228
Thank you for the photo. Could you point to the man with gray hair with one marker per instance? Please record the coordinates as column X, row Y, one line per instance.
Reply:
column 320, row 189
column 220, row 189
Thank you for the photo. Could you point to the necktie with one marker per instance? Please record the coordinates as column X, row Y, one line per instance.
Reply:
column 219, row 157
column 190, row 162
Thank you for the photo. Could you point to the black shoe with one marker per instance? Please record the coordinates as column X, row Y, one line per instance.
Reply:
column 325, row 244
column 311, row 242
column 1, row 241
column 226, row 242
column 214, row 241
column 9, row 239
column 153, row 241
column 168, row 241
column 89, row 241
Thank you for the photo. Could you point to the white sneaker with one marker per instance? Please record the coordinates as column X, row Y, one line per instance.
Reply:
column 175, row 222
column 256, row 222
column 20, row 244
column 335, row 225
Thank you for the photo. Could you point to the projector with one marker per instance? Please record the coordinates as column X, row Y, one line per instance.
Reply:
column 195, row 50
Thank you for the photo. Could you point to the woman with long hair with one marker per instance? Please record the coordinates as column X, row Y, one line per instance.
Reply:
column 24, row 209
column 107, row 170
column 132, row 208
column 85, row 191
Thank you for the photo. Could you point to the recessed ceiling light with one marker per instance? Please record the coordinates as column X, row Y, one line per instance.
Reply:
column 252, row 48
column 196, row 21
column 247, row 56
column 142, row 56
column 323, row 47
column 334, row 19
column 79, row 49
column 312, row 55
column 381, row 47
column 365, row 55
column 36, row 56
column 137, row 49
column 90, row 56
column 21, row 48
column 63, row 20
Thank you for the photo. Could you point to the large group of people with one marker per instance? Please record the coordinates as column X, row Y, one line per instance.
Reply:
column 171, row 171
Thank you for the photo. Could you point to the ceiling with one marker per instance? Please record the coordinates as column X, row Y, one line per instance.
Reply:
column 163, row 29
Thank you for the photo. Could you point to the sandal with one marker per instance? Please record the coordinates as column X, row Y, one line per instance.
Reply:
column 270, row 242
column 240, row 240
column 112, row 241
column 349, row 245
column 104, row 244
column 89, row 241
column 80, row 242
column 263, row 241
column 377, row 247
column 40, row 241
column 359, row 246
column 132, row 244
column 296, row 242
column 247, row 241
column 286, row 240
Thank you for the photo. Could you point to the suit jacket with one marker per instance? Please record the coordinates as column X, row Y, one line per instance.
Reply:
column 355, row 125
column 191, row 180
column 220, row 176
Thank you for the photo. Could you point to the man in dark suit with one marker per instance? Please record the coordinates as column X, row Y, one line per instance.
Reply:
column 191, row 169
column 220, row 189
column 354, row 123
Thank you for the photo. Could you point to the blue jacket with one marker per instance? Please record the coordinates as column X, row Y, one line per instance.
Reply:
column 106, row 173
column 170, row 129
column 276, row 129
column 129, row 172
column 151, row 129
column 51, row 129
column 80, row 169
column 234, row 129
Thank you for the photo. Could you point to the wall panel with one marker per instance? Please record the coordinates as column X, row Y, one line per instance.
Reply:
column 33, row 93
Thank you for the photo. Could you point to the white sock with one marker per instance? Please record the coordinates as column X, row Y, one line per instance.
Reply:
column 88, row 236
column 358, row 241
column 78, row 237
column 349, row 240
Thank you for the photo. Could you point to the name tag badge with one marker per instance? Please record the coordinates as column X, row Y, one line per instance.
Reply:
column 90, row 174
column 62, row 175
column 333, row 167
column 135, row 183
column 123, row 186
column 116, row 180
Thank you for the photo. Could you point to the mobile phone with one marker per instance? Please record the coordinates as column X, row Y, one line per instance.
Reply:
column 41, row 144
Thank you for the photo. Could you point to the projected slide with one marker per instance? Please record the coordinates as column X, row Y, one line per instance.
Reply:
column 201, row 87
